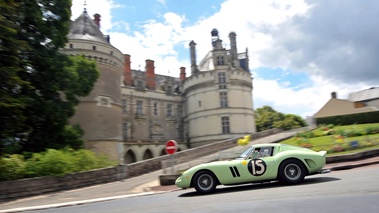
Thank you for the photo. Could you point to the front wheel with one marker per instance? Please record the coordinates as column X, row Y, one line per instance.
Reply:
column 204, row 182
column 292, row 171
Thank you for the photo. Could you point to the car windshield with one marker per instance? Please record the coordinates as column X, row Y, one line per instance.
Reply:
column 246, row 153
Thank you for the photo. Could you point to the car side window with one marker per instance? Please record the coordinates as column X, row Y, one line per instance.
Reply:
column 262, row 152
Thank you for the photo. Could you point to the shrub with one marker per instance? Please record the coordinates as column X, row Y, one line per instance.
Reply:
column 50, row 163
column 11, row 167
column 330, row 126
column 308, row 134
column 372, row 130
column 86, row 160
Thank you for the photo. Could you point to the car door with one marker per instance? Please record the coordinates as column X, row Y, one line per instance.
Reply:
column 259, row 166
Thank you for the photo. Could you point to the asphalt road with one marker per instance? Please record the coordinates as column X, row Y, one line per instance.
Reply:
column 355, row 190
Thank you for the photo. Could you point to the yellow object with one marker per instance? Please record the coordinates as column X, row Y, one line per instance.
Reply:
column 244, row 141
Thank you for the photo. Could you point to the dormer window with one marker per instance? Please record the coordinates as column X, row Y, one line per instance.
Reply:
column 140, row 86
column 168, row 90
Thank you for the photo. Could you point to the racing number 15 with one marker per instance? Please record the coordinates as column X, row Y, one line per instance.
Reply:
column 257, row 167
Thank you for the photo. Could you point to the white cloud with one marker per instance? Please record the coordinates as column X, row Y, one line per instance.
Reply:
column 304, row 102
column 334, row 42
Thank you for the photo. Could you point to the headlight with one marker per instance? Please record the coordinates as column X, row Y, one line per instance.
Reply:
column 179, row 179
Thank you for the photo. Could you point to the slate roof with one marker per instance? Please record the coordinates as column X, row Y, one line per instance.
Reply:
column 207, row 63
column 365, row 95
column 85, row 28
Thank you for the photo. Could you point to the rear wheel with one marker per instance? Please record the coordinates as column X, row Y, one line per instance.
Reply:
column 204, row 182
column 292, row 171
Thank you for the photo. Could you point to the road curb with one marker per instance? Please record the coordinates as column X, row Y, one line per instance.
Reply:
column 352, row 166
column 353, row 157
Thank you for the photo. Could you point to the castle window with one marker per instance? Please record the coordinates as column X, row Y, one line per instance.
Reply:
column 71, row 46
column 180, row 110
column 222, row 80
column 225, row 125
column 220, row 60
column 139, row 108
column 111, row 52
column 199, row 103
column 223, row 99
column 169, row 110
column 125, row 130
column 93, row 47
column 124, row 106
column 155, row 108
column 104, row 101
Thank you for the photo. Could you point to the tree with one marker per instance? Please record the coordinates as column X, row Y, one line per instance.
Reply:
column 12, row 103
column 290, row 121
column 267, row 118
column 42, row 84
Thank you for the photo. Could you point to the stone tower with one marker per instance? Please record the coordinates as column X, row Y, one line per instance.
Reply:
column 219, row 94
column 100, row 113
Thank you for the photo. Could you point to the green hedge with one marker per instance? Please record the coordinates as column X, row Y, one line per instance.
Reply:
column 50, row 163
column 341, row 120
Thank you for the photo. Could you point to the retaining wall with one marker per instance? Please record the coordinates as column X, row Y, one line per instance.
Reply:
column 16, row 189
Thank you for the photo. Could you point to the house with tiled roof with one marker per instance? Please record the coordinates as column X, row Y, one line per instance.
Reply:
column 358, row 102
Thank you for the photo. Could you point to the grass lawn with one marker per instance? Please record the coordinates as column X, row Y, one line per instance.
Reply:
column 339, row 139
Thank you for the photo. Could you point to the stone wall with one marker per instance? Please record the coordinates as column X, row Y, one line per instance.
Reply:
column 34, row 186
column 10, row 190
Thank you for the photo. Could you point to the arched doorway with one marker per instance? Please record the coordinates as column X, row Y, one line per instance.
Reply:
column 129, row 157
column 163, row 152
column 148, row 154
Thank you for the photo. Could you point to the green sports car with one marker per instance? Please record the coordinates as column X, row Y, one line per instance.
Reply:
column 259, row 163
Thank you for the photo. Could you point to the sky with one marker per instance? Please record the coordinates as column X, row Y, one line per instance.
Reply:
column 300, row 51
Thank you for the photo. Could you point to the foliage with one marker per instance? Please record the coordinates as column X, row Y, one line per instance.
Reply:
column 12, row 102
column 336, row 139
column 267, row 118
column 360, row 118
column 40, row 85
column 12, row 167
column 51, row 163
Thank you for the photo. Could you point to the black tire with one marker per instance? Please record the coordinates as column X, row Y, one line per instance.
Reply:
column 291, row 171
column 204, row 182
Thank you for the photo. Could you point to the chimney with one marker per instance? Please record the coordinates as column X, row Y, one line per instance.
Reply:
column 233, row 49
column 97, row 19
column 127, row 71
column 150, row 75
column 182, row 74
column 334, row 95
column 192, row 45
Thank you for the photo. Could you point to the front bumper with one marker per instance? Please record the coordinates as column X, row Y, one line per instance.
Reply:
column 184, row 181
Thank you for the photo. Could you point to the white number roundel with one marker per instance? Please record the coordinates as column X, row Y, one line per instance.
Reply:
column 257, row 167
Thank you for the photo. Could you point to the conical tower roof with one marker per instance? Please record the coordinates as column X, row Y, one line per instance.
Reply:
column 85, row 28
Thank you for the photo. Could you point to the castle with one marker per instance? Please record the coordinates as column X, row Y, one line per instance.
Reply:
column 130, row 114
